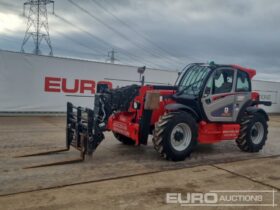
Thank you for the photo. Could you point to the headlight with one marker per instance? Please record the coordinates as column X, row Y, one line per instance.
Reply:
column 136, row 105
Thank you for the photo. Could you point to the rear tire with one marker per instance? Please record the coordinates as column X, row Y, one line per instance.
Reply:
column 253, row 133
column 175, row 135
column 124, row 139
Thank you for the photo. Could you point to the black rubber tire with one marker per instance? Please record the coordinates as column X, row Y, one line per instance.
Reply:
column 162, row 135
column 244, row 140
column 123, row 139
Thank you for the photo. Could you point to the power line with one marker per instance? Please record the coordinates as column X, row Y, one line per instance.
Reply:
column 101, row 40
column 137, row 32
column 71, row 51
column 113, row 29
column 128, row 54
column 82, row 44
column 81, row 29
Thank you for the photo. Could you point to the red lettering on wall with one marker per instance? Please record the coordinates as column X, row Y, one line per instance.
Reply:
column 73, row 90
column 56, row 84
column 52, row 84
column 87, row 85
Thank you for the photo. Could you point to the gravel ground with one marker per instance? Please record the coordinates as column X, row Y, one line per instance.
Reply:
column 119, row 176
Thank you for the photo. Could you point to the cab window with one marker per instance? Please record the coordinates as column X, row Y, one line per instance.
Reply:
column 208, row 87
column 223, row 80
column 242, row 82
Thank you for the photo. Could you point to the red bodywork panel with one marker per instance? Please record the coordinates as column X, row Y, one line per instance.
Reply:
column 255, row 96
column 141, row 100
column 215, row 132
column 128, row 123
column 123, row 123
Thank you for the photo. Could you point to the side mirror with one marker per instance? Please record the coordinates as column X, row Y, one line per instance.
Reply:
column 141, row 70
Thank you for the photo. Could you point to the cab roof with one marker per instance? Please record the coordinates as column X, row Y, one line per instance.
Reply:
column 249, row 71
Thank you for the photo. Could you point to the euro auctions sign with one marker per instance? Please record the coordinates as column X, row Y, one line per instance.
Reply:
column 226, row 198
column 60, row 85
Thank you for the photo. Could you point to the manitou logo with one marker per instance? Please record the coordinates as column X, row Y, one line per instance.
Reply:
column 57, row 85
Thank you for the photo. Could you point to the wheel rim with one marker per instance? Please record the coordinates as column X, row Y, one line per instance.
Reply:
column 257, row 132
column 181, row 136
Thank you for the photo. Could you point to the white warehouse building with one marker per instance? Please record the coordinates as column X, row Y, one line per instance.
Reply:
column 31, row 83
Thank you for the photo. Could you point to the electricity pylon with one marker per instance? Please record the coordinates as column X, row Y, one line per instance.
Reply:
column 37, row 24
column 112, row 56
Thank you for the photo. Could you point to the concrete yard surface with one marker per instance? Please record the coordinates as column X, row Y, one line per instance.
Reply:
column 124, row 177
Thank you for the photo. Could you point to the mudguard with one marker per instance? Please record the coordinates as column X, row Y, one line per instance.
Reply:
column 253, row 109
column 177, row 106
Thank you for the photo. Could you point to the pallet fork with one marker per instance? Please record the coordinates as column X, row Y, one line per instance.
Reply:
column 80, row 134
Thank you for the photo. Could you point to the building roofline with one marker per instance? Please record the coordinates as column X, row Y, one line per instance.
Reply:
column 85, row 60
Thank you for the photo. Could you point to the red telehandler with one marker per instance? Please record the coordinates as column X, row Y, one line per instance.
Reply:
column 209, row 103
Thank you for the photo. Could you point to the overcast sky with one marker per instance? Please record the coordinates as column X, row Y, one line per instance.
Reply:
column 165, row 34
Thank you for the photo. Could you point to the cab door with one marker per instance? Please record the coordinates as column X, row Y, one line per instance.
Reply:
column 218, row 99
column 243, row 96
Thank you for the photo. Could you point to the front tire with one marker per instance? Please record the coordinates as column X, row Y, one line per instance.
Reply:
column 253, row 133
column 175, row 135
